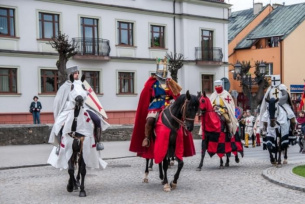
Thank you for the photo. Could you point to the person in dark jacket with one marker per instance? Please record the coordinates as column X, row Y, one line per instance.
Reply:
column 35, row 110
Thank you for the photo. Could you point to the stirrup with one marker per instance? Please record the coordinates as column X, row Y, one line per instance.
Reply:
column 99, row 146
column 146, row 142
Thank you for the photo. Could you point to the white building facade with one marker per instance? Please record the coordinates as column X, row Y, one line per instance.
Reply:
column 118, row 43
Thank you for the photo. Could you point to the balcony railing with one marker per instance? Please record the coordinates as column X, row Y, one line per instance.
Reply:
column 220, row 1
column 92, row 46
column 208, row 54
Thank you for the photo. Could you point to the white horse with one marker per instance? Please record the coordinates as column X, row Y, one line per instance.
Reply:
column 72, row 135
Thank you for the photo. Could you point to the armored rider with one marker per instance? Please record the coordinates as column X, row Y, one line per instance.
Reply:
column 157, row 94
column 224, row 105
column 277, row 91
column 61, row 103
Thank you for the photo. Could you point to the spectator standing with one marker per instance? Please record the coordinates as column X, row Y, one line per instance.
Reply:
column 35, row 110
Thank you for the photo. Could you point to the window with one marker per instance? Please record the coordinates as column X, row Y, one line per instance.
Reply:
column 207, row 45
column 89, row 33
column 269, row 69
column 125, row 33
column 157, row 36
column 48, row 25
column 92, row 77
column 126, row 82
column 8, row 80
column 207, row 83
column 273, row 42
column 7, row 22
column 48, row 81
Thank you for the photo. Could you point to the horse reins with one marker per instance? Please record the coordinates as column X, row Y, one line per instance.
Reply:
column 183, row 110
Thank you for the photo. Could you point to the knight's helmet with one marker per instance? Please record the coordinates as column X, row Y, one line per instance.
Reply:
column 275, row 80
column 161, row 70
column 71, row 70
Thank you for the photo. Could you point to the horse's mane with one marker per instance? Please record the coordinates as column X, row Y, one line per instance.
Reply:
column 181, row 99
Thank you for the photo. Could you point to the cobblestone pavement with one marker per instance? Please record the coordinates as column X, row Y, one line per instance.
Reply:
column 121, row 182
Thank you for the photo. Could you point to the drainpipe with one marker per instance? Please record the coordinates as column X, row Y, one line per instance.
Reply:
column 281, row 62
column 174, row 12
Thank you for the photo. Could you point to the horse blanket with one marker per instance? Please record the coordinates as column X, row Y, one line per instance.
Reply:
column 219, row 142
column 158, row 149
column 282, row 126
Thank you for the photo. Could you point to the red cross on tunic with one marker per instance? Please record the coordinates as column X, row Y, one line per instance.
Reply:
column 228, row 99
column 248, row 122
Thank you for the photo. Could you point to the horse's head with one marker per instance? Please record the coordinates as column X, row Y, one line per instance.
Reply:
column 272, row 109
column 204, row 103
column 189, row 110
column 78, row 92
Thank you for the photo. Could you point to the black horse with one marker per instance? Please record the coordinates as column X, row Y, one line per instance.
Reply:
column 179, row 114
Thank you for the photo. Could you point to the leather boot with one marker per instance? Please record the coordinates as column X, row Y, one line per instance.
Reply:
column 98, row 137
column 149, row 128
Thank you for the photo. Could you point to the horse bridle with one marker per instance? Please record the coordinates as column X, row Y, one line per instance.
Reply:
column 184, row 118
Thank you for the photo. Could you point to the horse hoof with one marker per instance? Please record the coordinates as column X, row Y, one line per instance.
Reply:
column 279, row 166
column 198, row 169
column 150, row 169
column 69, row 188
column 227, row 165
column 237, row 160
column 145, row 180
column 75, row 187
column 173, row 185
column 172, row 163
column 167, row 188
column 82, row 193
column 285, row 162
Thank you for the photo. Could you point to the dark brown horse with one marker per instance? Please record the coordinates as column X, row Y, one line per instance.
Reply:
column 173, row 127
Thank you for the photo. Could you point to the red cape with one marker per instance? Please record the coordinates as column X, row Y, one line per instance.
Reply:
column 138, row 133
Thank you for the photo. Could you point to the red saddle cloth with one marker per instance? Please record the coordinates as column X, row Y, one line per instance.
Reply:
column 184, row 142
column 220, row 143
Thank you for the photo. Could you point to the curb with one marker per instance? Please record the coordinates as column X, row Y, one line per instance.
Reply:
column 285, row 177
column 42, row 165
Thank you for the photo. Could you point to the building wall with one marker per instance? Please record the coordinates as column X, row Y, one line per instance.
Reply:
column 268, row 55
column 293, row 55
column 259, row 18
column 235, row 55
column 29, row 55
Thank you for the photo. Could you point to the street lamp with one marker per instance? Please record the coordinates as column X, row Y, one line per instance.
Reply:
column 262, row 68
column 241, row 73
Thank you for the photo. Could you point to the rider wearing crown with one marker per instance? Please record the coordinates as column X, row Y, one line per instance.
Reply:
column 155, row 96
column 224, row 105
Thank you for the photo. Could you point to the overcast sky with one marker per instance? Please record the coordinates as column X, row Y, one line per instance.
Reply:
column 238, row 5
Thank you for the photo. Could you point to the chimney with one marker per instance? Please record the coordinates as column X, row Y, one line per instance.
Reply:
column 257, row 8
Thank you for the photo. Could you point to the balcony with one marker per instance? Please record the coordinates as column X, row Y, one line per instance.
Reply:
column 208, row 56
column 218, row 1
column 91, row 48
